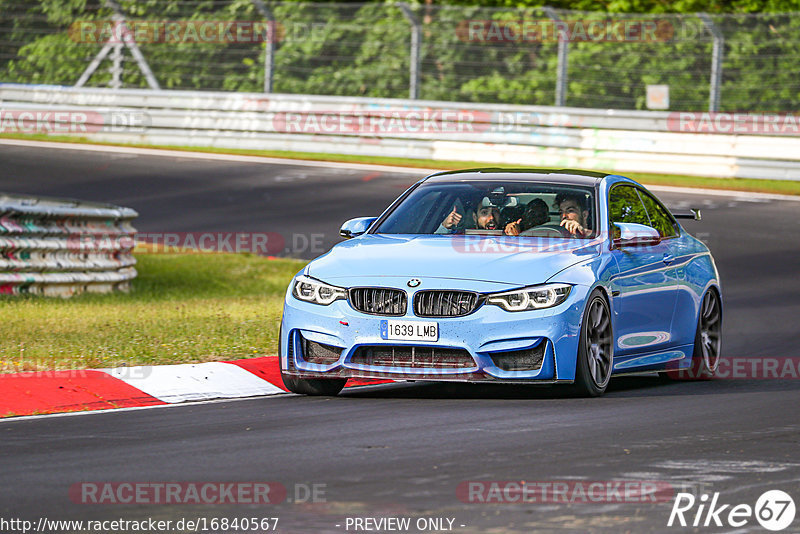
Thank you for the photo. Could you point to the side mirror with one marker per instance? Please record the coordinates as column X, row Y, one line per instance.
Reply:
column 356, row 227
column 632, row 234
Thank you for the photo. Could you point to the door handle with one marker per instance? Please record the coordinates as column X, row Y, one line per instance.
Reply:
column 668, row 258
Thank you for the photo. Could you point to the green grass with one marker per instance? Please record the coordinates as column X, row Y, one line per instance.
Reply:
column 784, row 187
column 183, row 308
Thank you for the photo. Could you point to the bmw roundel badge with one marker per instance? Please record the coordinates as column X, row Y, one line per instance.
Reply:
column 414, row 282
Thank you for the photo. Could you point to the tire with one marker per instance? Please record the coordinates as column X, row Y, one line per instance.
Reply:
column 707, row 338
column 325, row 387
column 595, row 348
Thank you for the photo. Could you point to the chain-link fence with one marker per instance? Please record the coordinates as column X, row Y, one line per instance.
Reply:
column 537, row 56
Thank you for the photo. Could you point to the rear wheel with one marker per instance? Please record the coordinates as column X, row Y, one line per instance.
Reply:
column 705, row 354
column 326, row 387
column 595, row 349
column 707, row 340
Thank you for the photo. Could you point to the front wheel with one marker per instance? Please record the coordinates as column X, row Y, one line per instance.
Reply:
column 595, row 349
column 326, row 387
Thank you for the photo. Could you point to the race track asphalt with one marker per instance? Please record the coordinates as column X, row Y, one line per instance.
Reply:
column 403, row 450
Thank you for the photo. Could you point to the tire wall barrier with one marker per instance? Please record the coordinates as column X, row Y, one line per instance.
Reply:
column 56, row 247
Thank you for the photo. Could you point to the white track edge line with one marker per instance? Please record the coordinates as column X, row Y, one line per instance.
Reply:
column 337, row 165
column 164, row 152
column 136, row 408
column 177, row 404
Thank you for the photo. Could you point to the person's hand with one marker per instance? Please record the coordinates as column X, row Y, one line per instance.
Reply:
column 452, row 219
column 513, row 228
column 573, row 227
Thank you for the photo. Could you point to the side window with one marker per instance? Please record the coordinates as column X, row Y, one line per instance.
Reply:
column 659, row 218
column 625, row 206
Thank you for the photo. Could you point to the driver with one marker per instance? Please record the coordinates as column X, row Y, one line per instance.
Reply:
column 573, row 213
column 485, row 217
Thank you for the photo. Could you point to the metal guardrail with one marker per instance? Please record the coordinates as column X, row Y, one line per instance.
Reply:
column 611, row 140
column 57, row 247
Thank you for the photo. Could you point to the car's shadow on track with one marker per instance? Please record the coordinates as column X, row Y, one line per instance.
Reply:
column 620, row 387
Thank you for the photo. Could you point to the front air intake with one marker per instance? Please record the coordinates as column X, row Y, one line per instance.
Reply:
column 379, row 301
column 445, row 303
column 413, row 357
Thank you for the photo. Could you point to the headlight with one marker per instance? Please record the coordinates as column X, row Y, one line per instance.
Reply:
column 311, row 290
column 531, row 298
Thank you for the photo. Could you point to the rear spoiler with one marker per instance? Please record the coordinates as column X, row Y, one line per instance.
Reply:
column 690, row 214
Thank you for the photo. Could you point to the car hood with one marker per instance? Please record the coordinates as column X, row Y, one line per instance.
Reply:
column 509, row 260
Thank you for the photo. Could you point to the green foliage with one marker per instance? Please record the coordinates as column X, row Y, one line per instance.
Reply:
column 650, row 6
column 363, row 50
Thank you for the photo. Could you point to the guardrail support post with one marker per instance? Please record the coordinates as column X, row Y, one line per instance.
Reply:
column 93, row 65
column 269, row 52
column 116, row 67
column 129, row 42
column 716, row 61
column 563, row 52
column 416, row 46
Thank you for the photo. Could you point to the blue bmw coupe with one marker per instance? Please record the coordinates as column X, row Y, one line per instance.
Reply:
column 506, row 275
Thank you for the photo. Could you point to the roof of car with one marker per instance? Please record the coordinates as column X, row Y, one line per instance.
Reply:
column 561, row 176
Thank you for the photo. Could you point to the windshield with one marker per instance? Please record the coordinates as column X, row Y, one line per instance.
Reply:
column 495, row 208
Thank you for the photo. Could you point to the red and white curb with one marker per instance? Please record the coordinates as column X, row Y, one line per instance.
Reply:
column 48, row 392
column 181, row 383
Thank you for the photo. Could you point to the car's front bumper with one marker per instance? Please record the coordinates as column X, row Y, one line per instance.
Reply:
column 484, row 335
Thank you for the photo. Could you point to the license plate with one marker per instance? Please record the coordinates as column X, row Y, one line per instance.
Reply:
column 410, row 330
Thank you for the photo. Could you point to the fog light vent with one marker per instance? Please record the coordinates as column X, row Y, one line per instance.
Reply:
column 320, row 353
column 520, row 360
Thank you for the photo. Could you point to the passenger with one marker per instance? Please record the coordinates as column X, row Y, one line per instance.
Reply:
column 574, row 214
column 535, row 213
column 450, row 222
column 485, row 217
